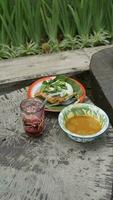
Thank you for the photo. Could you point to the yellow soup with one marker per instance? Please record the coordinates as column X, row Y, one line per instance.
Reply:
column 83, row 125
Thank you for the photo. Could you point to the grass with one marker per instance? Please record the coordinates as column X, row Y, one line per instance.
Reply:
column 45, row 26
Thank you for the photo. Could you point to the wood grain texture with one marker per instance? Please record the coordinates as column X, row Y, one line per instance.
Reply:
column 13, row 71
column 90, row 51
column 51, row 167
column 26, row 68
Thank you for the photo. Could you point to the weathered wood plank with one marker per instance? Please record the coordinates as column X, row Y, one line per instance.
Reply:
column 51, row 167
column 27, row 68
column 90, row 51
column 32, row 67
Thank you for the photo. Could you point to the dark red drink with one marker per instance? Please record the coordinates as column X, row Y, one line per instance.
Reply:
column 33, row 116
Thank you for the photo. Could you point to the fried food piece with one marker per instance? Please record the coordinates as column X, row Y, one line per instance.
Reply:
column 51, row 99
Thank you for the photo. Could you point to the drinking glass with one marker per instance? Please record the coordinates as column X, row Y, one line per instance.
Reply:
column 32, row 112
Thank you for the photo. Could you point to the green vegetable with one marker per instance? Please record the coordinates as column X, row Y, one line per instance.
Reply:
column 55, row 85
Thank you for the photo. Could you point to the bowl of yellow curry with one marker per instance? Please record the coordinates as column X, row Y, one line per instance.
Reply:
column 83, row 122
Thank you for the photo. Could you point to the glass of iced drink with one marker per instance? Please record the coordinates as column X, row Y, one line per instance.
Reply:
column 32, row 112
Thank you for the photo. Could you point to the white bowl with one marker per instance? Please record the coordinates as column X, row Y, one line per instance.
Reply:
column 81, row 109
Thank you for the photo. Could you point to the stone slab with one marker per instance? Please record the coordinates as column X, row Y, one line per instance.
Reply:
column 51, row 167
column 101, row 67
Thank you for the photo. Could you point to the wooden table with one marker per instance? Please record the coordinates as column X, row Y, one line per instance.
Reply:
column 51, row 167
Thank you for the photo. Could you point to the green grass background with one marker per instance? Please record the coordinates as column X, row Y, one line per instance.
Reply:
column 45, row 26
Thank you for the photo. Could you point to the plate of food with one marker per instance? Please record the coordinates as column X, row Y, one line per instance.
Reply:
column 57, row 91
